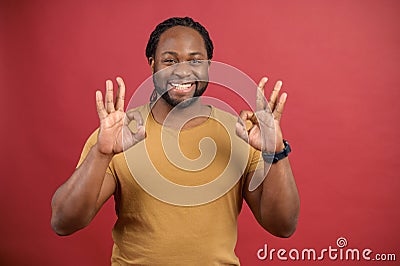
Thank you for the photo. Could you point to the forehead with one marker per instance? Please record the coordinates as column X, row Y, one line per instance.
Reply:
column 182, row 40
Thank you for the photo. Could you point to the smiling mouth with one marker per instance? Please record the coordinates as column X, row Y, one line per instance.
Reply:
column 182, row 87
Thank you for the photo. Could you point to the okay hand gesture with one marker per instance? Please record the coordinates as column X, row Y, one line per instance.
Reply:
column 261, row 129
column 114, row 134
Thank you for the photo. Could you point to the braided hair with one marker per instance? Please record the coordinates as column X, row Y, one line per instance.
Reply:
column 178, row 21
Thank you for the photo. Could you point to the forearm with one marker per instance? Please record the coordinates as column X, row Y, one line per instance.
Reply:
column 279, row 200
column 74, row 204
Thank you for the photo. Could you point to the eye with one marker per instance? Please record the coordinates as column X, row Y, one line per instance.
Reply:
column 169, row 61
column 195, row 61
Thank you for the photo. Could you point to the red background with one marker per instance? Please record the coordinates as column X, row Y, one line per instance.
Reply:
column 339, row 61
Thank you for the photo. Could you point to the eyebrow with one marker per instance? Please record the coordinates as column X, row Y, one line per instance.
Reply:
column 176, row 54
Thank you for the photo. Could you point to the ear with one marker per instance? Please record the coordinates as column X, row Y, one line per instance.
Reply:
column 150, row 60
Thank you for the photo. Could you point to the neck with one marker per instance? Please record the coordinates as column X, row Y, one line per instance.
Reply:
column 188, row 117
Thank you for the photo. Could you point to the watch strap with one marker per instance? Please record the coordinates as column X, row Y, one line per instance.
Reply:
column 275, row 157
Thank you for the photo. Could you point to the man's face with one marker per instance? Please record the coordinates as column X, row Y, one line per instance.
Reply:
column 180, row 66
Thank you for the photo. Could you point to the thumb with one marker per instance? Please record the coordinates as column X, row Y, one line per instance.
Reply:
column 241, row 131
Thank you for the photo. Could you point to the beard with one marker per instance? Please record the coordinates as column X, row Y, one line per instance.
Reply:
column 182, row 103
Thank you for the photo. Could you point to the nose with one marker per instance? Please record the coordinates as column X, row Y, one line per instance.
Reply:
column 182, row 70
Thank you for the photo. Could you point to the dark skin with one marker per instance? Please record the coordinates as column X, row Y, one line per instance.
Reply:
column 185, row 46
column 275, row 203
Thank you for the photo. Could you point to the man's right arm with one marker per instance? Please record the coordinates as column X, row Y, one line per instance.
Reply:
column 78, row 200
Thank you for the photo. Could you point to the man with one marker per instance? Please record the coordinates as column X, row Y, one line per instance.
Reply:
column 150, row 230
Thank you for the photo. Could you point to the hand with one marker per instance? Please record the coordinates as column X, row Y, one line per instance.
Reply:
column 261, row 129
column 114, row 134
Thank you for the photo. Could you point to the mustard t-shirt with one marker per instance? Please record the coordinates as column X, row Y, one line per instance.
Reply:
column 184, row 215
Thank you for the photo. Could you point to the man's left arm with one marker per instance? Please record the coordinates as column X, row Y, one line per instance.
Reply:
column 275, row 203
column 270, row 192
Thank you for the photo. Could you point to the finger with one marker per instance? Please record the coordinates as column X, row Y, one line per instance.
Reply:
column 246, row 115
column 134, row 138
column 129, row 117
column 280, row 106
column 248, row 119
column 248, row 125
column 260, row 98
column 242, row 124
column 137, row 128
column 109, row 97
column 137, row 117
column 274, row 95
column 100, row 105
column 241, row 131
column 119, row 105
column 140, row 134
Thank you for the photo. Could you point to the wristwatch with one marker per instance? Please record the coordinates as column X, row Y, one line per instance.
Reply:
column 274, row 157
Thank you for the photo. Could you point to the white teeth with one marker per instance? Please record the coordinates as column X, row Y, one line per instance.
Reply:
column 181, row 86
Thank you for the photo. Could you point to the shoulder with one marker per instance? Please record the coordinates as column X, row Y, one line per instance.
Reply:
column 217, row 112
column 92, row 139
column 145, row 108
column 223, row 116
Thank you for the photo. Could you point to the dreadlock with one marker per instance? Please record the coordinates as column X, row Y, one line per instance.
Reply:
column 177, row 21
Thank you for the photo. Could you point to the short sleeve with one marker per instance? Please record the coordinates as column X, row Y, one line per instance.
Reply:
column 91, row 141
